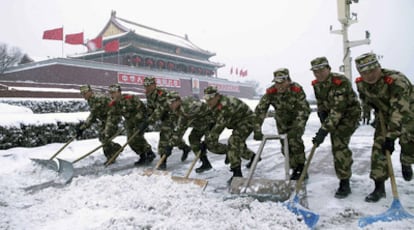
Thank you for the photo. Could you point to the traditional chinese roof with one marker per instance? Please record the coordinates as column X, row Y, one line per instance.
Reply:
column 117, row 26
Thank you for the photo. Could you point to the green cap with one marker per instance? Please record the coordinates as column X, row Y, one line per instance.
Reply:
column 366, row 62
column 210, row 92
column 114, row 88
column 319, row 63
column 85, row 88
column 149, row 81
column 280, row 75
column 172, row 96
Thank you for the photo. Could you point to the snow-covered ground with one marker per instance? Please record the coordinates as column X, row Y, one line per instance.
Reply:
column 130, row 200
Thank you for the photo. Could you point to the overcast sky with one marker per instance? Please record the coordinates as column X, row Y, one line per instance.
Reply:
column 259, row 36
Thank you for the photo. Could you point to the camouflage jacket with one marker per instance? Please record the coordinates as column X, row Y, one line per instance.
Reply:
column 98, row 106
column 158, row 108
column 192, row 113
column 229, row 113
column 336, row 97
column 393, row 96
column 291, row 108
column 130, row 107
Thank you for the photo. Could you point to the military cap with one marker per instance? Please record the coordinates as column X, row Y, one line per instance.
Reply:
column 210, row 92
column 366, row 62
column 149, row 81
column 319, row 63
column 114, row 88
column 85, row 88
column 172, row 96
column 280, row 75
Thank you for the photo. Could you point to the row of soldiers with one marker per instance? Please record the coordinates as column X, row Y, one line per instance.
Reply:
column 388, row 92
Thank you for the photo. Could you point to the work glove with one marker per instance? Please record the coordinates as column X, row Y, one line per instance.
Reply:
column 168, row 150
column 388, row 145
column 319, row 137
column 203, row 147
column 322, row 116
column 258, row 136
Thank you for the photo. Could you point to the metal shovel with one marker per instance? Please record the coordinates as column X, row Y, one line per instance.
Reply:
column 260, row 188
column 51, row 164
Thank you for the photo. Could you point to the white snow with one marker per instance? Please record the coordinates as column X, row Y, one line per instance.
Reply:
column 129, row 200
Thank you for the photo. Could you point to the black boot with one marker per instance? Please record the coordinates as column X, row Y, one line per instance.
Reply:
column 205, row 164
column 344, row 190
column 186, row 150
column 297, row 172
column 226, row 161
column 378, row 193
column 236, row 173
column 248, row 165
column 145, row 159
column 407, row 172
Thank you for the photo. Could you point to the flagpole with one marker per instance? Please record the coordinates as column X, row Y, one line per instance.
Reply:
column 63, row 41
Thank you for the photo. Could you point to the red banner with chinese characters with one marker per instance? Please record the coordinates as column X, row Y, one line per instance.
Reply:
column 137, row 79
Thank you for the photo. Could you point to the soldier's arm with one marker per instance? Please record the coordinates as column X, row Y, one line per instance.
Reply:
column 303, row 109
column 261, row 112
column 400, row 92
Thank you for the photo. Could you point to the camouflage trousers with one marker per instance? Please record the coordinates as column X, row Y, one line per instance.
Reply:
column 295, row 146
column 237, row 147
column 379, row 166
column 342, row 155
column 108, row 146
column 195, row 139
column 138, row 143
column 166, row 133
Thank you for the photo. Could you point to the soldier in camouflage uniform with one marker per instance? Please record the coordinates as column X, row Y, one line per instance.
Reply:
column 99, row 108
column 134, row 112
column 159, row 110
column 291, row 114
column 389, row 92
column 339, row 111
column 231, row 113
column 196, row 114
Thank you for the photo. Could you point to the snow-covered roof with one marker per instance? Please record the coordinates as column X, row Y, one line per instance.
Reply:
column 156, row 34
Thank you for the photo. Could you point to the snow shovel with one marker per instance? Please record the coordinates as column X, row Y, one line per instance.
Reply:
column 155, row 170
column 310, row 218
column 264, row 189
column 396, row 211
column 65, row 168
column 200, row 182
column 51, row 164
column 113, row 157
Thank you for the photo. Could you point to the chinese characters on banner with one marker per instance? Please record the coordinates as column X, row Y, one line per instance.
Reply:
column 139, row 80
column 224, row 87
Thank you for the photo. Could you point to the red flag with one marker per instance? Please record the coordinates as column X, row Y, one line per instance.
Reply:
column 231, row 71
column 55, row 34
column 245, row 73
column 94, row 44
column 237, row 71
column 112, row 46
column 74, row 39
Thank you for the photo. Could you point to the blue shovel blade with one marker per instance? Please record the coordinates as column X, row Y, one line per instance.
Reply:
column 395, row 212
column 310, row 218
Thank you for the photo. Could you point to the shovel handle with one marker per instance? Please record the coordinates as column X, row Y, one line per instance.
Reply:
column 192, row 165
column 389, row 162
column 299, row 182
column 63, row 147
column 93, row 150
column 162, row 159
column 113, row 157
